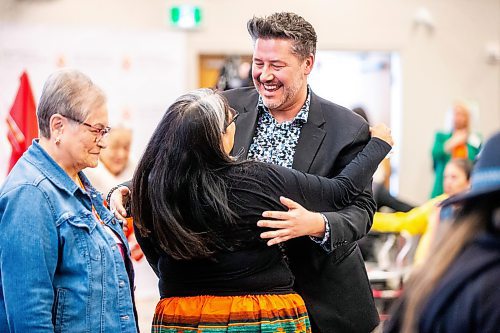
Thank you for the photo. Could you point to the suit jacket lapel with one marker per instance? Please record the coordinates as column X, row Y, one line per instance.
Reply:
column 245, row 129
column 311, row 137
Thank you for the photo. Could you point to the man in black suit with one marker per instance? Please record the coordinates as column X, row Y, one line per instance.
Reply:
column 282, row 121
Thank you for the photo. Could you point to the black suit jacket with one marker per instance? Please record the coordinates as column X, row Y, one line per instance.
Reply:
column 333, row 284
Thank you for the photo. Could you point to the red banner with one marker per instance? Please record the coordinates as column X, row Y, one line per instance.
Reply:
column 22, row 126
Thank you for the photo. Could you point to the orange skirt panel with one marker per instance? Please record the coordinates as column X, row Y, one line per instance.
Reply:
column 216, row 314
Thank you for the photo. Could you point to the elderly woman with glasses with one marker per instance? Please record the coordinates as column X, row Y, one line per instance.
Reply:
column 196, row 209
column 64, row 260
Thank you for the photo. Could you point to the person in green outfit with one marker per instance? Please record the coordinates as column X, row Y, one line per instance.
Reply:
column 460, row 142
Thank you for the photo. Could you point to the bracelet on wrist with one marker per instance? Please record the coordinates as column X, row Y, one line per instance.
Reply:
column 110, row 193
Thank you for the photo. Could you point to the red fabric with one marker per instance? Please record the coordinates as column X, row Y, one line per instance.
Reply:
column 135, row 250
column 22, row 125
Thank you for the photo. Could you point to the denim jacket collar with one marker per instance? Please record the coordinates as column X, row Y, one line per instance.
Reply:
column 50, row 169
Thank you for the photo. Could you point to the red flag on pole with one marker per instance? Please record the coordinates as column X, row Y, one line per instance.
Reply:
column 22, row 126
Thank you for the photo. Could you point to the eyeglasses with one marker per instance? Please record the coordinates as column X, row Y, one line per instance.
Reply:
column 235, row 115
column 98, row 131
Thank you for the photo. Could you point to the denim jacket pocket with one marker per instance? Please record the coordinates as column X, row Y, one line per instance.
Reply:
column 80, row 228
column 83, row 220
column 58, row 310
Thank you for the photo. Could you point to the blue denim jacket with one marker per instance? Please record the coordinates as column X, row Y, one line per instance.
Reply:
column 60, row 271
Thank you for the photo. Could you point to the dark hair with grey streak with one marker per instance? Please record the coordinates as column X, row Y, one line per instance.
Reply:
column 285, row 26
column 67, row 92
column 180, row 190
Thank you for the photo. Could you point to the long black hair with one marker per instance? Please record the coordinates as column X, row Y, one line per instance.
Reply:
column 179, row 193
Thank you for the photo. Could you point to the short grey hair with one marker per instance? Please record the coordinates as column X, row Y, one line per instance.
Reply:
column 67, row 92
column 285, row 25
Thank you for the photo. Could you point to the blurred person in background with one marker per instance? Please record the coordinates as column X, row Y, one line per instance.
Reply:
column 457, row 288
column 115, row 166
column 459, row 142
column 196, row 211
column 235, row 73
column 64, row 260
column 423, row 220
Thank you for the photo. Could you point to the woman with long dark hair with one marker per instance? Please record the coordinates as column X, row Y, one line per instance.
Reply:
column 196, row 209
column 457, row 289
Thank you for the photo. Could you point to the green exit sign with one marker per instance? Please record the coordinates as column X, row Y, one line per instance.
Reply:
column 185, row 16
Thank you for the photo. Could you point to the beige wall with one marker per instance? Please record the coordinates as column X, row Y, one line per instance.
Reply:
column 438, row 65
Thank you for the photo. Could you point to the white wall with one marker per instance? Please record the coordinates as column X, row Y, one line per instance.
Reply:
column 437, row 66
column 137, row 67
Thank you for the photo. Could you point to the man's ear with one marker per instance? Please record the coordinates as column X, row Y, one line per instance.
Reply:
column 309, row 63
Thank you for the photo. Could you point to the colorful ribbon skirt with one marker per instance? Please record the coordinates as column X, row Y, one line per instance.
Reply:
column 249, row 313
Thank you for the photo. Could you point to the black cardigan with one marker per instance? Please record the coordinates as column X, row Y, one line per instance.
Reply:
column 252, row 267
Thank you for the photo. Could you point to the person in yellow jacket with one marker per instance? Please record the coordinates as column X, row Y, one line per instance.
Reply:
column 423, row 219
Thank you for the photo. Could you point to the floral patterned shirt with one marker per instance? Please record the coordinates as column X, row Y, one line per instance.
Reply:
column 273, row 142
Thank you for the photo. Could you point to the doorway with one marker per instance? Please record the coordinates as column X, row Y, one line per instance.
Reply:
column 367, row 79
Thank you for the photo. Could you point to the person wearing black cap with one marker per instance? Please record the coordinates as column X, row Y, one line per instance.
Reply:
column 458, row 288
